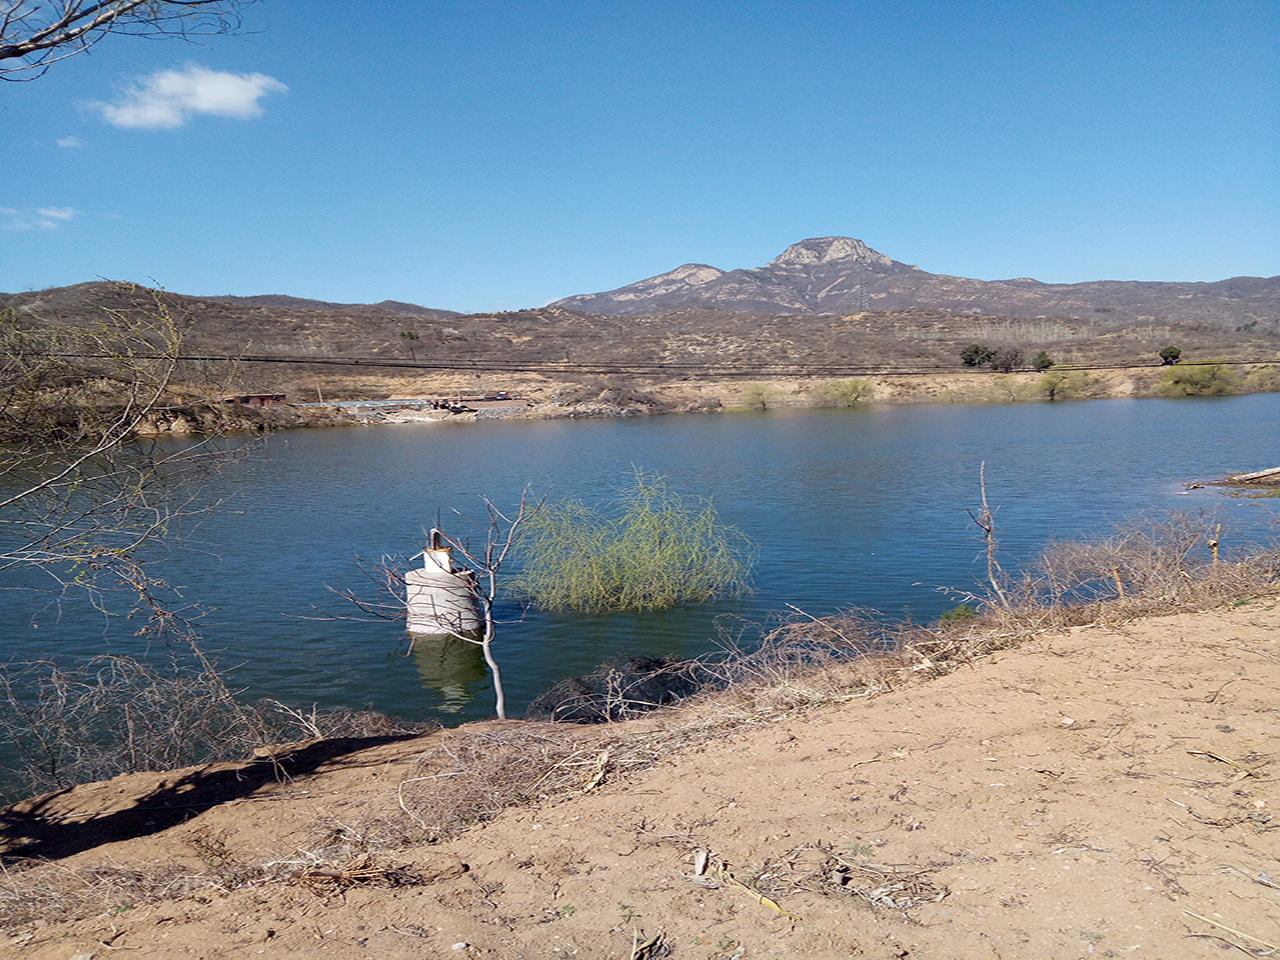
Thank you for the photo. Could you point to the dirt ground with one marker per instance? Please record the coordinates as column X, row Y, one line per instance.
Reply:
column 1109, row 791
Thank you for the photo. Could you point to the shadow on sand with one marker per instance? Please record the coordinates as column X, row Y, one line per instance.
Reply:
column 49, row 827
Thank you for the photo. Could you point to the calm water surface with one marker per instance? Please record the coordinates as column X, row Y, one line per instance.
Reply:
column 862, row 508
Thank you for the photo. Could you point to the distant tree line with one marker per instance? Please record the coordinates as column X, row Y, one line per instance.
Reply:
column 1008, row 359
column 1004, row 359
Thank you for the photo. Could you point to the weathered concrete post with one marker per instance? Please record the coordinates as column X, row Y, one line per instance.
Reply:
column 440, row 597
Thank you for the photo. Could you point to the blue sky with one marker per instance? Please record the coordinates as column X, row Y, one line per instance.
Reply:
column 493, row 154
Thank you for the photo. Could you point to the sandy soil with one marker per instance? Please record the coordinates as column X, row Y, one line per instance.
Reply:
column 1105, row 792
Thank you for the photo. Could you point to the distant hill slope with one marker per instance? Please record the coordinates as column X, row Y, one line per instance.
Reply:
column 232, row 325
column 840, row 275
column 301, row 303
column 675, row 343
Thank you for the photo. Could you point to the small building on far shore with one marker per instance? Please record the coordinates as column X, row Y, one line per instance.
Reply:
column 257, row 399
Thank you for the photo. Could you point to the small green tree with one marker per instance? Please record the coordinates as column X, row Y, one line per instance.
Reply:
column 845, row 393
column 649, row 550
column 975, row 355
column 1212, row 378
column 1169, row 356
column 410, row 336
column 956, row 615
column 1042, row 362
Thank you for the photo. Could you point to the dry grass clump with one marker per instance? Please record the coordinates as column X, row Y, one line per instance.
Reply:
column 65, row 725
column 828, row 872
column 804, row 663
column 38, row 890
column 1148, row 567
column 470, row 776
column 1155, row 566
column 33, row 891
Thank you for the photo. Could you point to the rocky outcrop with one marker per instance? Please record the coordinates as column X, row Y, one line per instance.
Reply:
column 841, row 275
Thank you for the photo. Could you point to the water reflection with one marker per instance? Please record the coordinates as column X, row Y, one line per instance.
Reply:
column 448, row 666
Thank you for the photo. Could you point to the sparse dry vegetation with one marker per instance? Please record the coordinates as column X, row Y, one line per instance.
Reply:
column 68, row 725
column 1148, row 567
column 845, row 393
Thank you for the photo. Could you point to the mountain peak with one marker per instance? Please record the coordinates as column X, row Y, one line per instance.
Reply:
column 829, row 249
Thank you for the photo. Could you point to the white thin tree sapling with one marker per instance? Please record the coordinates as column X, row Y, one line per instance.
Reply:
column 501, row 533
column 479, row 580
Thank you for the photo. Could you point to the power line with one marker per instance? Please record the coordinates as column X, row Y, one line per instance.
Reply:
column 722, row 369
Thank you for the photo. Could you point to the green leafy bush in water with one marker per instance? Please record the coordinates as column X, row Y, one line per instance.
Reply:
column 649, row 550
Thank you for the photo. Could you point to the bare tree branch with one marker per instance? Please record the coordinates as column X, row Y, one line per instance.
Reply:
column 500, row 530
column 500, row 536
column 82, row 488
column 985, row 521
column 38, row 33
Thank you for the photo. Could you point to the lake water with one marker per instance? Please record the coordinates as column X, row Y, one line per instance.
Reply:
column 863, row 508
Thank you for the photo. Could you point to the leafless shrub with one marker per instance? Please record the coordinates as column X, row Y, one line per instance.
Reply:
column 1147, row 567
column 470, row 775
column 803, row 663
column 113, row 715
column 1150, row 565
column 318, row 724
column 621, row 689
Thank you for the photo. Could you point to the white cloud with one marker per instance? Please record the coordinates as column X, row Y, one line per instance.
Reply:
column 70, row 142
column 45, row 218
column 169, row 98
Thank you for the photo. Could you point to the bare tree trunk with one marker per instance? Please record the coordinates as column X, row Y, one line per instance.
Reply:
column 500, row 533
column 986, row 522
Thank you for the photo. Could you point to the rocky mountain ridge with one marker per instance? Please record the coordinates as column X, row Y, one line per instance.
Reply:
column 841, row 275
